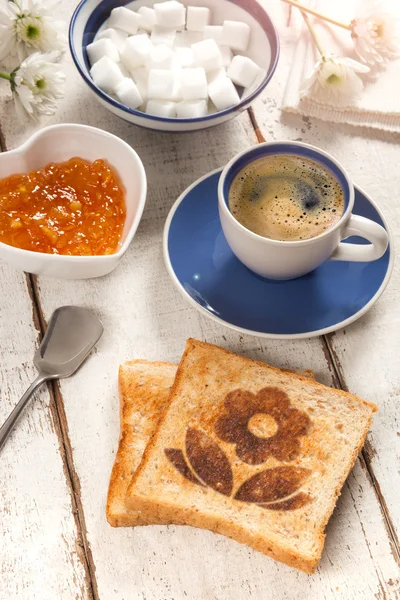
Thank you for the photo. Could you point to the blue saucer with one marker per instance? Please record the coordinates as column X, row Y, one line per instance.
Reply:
column 208, row 274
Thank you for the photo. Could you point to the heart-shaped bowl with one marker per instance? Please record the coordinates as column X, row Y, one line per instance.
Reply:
column 58, row 143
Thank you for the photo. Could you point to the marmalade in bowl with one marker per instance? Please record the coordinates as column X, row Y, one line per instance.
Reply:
column 75, row 207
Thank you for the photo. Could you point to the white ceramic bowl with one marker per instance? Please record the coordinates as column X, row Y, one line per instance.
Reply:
column 59, row 143
column 90, row 16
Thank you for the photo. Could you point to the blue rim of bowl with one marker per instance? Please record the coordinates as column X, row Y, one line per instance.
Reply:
column 252, row 7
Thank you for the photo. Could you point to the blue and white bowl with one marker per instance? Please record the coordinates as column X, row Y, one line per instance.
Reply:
column 90, row 16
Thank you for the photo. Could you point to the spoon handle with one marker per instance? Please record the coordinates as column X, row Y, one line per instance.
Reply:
column 7, row 426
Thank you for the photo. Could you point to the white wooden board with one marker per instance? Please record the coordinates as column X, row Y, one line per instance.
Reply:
column 368, row 352
column 40, row 552
column 145, row 317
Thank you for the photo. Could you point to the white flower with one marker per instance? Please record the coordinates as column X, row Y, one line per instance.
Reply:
column 334, row 81
column 375, row 35
column 27, row 26
column 37, row 84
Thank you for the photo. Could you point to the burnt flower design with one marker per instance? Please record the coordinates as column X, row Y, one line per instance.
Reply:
column 242, row 407
column 204, row 463
column 207, row 464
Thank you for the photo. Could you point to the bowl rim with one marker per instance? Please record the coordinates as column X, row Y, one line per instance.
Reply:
column 25, row 146
column 243, row 104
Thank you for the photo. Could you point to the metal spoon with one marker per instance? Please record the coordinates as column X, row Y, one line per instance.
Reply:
column 70, row 336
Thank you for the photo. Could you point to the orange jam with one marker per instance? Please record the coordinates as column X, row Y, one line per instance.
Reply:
column 76, row 207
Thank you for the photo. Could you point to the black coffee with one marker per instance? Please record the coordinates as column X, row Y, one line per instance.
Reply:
column 286, row 197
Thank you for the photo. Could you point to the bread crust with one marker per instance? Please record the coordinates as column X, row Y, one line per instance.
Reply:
column 136, row 391
column 157, row 508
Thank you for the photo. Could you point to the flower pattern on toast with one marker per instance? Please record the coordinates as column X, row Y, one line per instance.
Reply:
column 204, row 463
column 241, row 406
column 272, row 485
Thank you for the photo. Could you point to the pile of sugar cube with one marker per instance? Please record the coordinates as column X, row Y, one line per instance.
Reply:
column 169, row 61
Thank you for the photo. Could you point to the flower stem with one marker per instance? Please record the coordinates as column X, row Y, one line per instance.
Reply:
column 314, row 35
column 318, row 14
column 4, row 75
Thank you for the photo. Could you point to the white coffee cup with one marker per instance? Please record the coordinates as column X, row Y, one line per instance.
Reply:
column 277, row 259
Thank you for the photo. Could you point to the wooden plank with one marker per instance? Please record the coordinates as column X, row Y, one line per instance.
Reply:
column 366, row 354
column 374, row 372
column 145, row 317
column 41, row 553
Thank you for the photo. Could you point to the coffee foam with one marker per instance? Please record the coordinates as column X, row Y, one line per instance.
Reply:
column 286, row 197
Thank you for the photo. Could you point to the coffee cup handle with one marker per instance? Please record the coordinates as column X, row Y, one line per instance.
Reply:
column 367, row 229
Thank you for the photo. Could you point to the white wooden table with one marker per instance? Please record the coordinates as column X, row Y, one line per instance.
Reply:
column 55, row 542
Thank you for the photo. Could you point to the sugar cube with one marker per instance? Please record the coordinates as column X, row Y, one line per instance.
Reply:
column 147, row 17
column 187, row 38
column 213, row 32
column 223, row 93
column 177, row 91
column 125, row 19
column 243, row 70
column 161, row 84
column 211, row 108
column 141, row 77
column 125, row 72
column 161, row 57
column 106, row 74
column 207, row 55
column 216, row 74
column 161, row 108
column 197, row 18
column 194, row 83
column 191, row 109
column 162, row 35
column 115, row 35
column 170, row 13
column 136, row 51
column 184, row 57
column 236, row 35
column 227, row 55
column 104, row 47
column 262, row 73
column 128, row 93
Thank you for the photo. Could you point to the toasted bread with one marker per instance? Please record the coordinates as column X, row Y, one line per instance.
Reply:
column 143, row 390
column 252, row 452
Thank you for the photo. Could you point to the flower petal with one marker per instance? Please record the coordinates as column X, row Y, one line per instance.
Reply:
column 337, row 83
column 19, row 109
column 294, row 423
column 177, row 459
column 40, row 67
column 251, row 449
column 375, row 37
column 356, row 66
column 284, row 448
column 272, row 401
column 293, row 503
column 208, row 461
column 240, row 403
column 272, row 484
column 228, row 428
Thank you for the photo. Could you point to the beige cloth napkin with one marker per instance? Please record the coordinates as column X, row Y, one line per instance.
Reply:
column 379, row 103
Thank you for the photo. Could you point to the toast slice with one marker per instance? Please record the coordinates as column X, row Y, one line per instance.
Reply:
column 143, row 390
column 252, row 452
